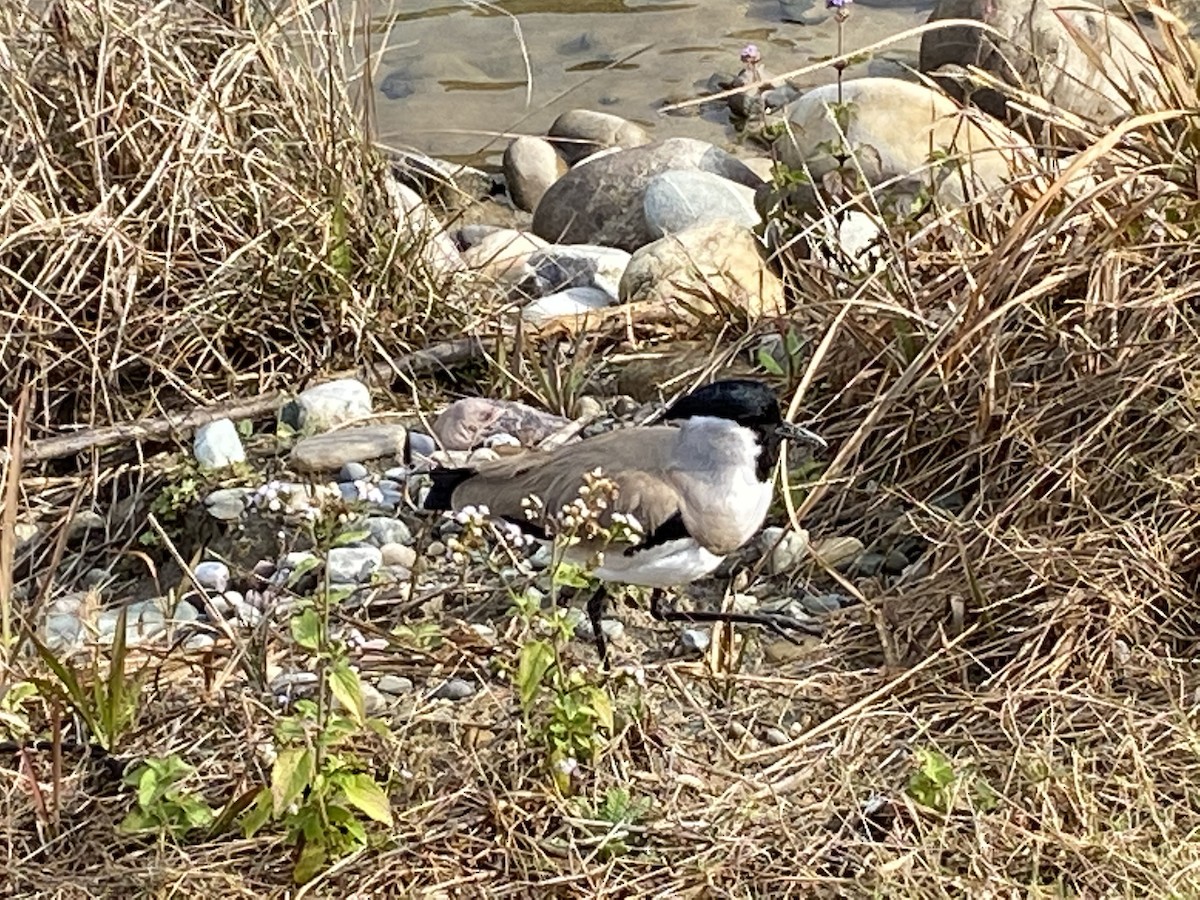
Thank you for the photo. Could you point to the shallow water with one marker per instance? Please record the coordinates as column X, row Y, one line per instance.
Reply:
column 453, row 76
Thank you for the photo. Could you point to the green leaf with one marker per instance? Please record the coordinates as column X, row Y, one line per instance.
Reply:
column 68, row 686
column 290, row 775
column 344, row 683
column 259, row 813
column 306, row 629
column 148, row 785
column 570, row 575
column 351, row 537
column 310, row 862
column 602, row 706
column 368, row 797
column 768, row 362
column 305, row 566
column 137, row 821
column 536, row 659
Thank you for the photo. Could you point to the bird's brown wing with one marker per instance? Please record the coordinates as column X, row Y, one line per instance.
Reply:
column 635, row 459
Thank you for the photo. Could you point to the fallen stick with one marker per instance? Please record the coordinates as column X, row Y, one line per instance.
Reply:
column 173, row 424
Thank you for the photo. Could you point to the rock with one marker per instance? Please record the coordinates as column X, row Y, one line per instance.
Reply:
column 821, row 604
column 678, row 200
column 453, row 689
column 395, row 554
column 395, row 685
column 848, row 243
column 562, row 266
column 227, row 504
column 612, row 629
column 579, row 133
column 1072, row 53
column 467, row 423
column 435, row 549
column 199, row 643
column 217, row 444
column 420, row 447
column 212, row 576
column 331, row 404
column 352, row 565
column 143, row 622
column 602, row 202
column 573, row 303
column 353, row 471
column 530, row 167
column 892, row 127
column 786, row 548
column 85, row 520
column 776, row 737
column 420, row 228
column 895, row 562
column 694, row 641
column 704, row 269
column 184, row 613
column 25, row 533
column 386, row 530
column 329, row 452
column 63, row 630
column 453, row 184
column 291, row 682
column 504, row 255
column 867, row 565
column 836, row 551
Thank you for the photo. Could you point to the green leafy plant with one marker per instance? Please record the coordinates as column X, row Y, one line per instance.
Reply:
column 936, row 785
column 321, row 792
column 14, row 718
column 163, row 805
column 564, row 711
column 619, row 810
column 107, row 702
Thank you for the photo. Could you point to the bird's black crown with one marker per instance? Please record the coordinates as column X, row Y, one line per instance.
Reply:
column 745, row 401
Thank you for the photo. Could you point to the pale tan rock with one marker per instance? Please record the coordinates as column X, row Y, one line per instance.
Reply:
column 836, row 551
column 705, row 269
column 504, row 254
column 1072, row 53
column 897, row 129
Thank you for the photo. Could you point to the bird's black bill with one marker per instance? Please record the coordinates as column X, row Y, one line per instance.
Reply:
column 801, row 434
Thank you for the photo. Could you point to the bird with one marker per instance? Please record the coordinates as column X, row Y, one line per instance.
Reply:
column 697, row 491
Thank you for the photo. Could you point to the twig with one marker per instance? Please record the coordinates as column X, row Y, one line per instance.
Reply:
column 175, row 424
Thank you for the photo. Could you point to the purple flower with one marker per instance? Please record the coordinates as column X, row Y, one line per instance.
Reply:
column 750, row 54
column 837, row 4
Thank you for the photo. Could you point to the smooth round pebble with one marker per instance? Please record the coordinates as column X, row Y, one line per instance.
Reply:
column 212, row 575
column 435, row 548
column 453, row 689
column 821, row 604
column 395, row 685
column 776, row 737
column 395, row 554
column 199, row 642
column 353, row 471
column 387, row 530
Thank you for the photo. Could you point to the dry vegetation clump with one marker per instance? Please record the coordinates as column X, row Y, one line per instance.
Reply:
column 189, row 207
column 1015, row 717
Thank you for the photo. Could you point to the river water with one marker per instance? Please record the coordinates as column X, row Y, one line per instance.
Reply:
column 453, row 78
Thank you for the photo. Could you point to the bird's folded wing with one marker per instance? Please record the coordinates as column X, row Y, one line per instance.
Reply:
column 634, row 462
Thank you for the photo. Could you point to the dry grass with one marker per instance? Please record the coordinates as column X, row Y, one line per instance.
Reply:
column 1041, row 368
column 192, row 209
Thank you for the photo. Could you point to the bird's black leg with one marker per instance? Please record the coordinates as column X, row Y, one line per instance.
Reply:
column 775, row 623
column 595, row 611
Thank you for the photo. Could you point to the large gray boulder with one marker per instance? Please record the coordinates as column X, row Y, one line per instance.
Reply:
column 601, row 201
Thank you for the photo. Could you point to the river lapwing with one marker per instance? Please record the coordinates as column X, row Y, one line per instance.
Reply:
column 698, row 492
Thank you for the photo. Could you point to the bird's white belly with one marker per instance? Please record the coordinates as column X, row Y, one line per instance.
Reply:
column 665, row 565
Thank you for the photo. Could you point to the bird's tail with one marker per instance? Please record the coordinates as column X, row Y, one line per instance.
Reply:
column 441, row 492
